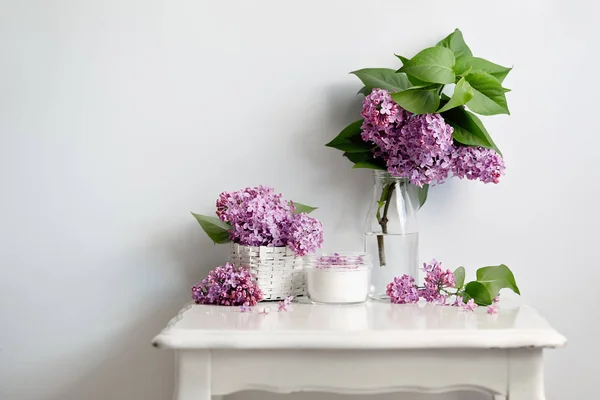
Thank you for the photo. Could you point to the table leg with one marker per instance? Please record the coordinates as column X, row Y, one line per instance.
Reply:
column 193, row 375
column 525, row 375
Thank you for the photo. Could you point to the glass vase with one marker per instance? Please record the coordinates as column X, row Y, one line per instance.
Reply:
column 391, row 234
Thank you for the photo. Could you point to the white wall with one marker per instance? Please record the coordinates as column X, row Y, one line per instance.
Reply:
column 119, row 117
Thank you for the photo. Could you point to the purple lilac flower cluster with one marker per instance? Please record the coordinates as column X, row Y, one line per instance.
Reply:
column 227, row 285
column 420, row 147
column 477, row 163
column 436, row 281
column 402, row 290
column 305, row 234
column 260, row 217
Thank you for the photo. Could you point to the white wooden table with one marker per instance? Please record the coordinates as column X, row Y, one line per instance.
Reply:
column 375, row 347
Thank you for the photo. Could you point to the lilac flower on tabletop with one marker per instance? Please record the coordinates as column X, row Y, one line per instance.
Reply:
column 227, row 286
column 283, row 305
column 305, row 234
column 245, row 308
column 477, row 163
column 436, row 282
column 402, row 290
column 469, row 305
column 493, row 309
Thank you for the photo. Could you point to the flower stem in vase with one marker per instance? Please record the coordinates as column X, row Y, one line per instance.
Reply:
column 386, row 197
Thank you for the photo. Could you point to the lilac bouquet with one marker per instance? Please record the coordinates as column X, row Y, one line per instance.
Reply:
column 259, row 216
column 449, row 288
column 417, row 127
column 227, row 286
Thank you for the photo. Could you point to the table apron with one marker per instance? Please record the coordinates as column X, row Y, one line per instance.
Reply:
column 359, row 371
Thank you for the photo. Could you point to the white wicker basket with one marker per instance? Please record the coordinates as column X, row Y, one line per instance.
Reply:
column 277, row 270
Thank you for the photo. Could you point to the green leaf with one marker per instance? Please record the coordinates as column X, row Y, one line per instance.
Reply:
column 456, row 43
column 355, row 147
column 463, row 93
column 459, row 277
column 365, row 160
column 216, row 229
column 496, row 278
column 468, row 129
column 367, row 165
column 433, row 64
column 466, row 64
column 418, row 100
column 488, row 98
column 478, row 292
column 382, row 78
column 364, row 90
column 354, row 129
column 422, row 194
column 303, row 208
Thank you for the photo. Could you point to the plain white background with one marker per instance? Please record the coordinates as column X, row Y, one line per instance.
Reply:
column 119, row 117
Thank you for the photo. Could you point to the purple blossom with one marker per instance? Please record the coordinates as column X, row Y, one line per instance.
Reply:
column 469, row 305
column 497, row 299
column 227, row 286
column 493, row 309
column 283, row 305
column 477, row 163
column 436, row 280
column 258, row 216
column 420, row 147
column 305, row 235
column 245, row 308
column 416, row 147
column 402, row 290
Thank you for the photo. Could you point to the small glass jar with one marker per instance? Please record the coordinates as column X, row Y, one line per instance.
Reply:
column 338, row 278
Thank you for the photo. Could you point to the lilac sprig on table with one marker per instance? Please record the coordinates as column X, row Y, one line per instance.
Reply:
column 441, row 286
column 258, row 216
column 227, row 285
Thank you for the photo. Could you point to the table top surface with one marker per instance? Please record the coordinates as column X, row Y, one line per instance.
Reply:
column 371, row 325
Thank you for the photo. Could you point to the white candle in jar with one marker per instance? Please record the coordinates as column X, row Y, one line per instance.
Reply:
column 338, row 279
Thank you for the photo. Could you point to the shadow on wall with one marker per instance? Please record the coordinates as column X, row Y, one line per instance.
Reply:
column 132, row 368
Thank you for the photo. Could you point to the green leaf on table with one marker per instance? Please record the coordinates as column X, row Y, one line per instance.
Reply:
column 463, row 93
column 433, row 65
column 381, row 78
column 497, row 277
column 418, row 100
column 456, row 43
column 468, row 129
column 303, row 208
column 489, row 95
column 459, row 277
column 217, row 230
column 466, row 64
column 352, row 130
column 479, row 293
